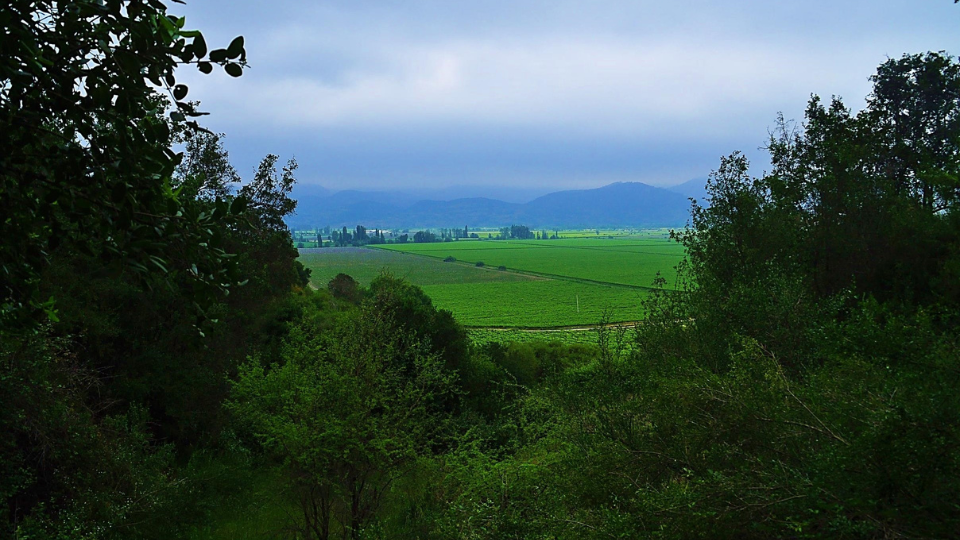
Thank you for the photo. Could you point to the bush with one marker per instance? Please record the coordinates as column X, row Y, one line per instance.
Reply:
column 344, row 287
column 479, row 264
column 450, row 258
column 501, row 267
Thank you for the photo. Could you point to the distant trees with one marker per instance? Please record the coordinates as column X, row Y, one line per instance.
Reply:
column 359, row 237
column 421, row 237
column 516, row 232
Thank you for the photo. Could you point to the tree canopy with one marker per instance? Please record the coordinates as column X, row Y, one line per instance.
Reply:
column 86, row 139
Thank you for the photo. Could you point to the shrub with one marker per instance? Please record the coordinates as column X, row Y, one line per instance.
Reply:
column 501, row 267
column 450, row 258
column 479, row 264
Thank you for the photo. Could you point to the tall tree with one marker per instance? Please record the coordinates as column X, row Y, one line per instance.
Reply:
column 205, row 168
column 269, row 192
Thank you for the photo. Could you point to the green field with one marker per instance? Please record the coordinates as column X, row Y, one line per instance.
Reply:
column 546, row 284
column 634, row 262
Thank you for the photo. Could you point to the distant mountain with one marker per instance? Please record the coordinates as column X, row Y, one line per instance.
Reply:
column 310, row 190
column 694, row 189
column 620, row 204
column 478, row 212
column 623, row 204
column 407, row 196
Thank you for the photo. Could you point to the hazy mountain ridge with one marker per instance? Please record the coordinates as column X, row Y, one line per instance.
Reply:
column 694, row 189
column 622, row 204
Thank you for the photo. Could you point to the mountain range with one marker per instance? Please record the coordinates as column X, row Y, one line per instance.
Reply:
column 622, row 204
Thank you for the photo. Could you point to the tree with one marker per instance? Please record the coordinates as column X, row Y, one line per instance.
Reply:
column 268, row 195
column 84, row 147
column 345, row 287
column 361, row 237
column 864, row 203
column 92, row 219
column 424, row 237
column 347, row 412
column 205, row 168
column 915, row 112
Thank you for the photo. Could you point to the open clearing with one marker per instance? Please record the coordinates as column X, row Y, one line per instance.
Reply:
column 547, row 284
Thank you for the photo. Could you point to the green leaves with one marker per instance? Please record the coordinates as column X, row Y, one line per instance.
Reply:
column 179, row 92
column 91, row 68
column 238, row 205
column 199, row 46
column 234, row 70
column 235, row 49
column 218, row 55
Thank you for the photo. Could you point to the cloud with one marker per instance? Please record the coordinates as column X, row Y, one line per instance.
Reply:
column 449, row 80
column 594, row 86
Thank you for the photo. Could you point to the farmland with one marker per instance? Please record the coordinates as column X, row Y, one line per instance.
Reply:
column 545, row 284
column 618, row 261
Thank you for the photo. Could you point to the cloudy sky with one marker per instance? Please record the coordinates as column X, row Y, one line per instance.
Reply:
column 536, row 93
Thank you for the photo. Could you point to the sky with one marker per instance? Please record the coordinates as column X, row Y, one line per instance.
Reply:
column 550, row 94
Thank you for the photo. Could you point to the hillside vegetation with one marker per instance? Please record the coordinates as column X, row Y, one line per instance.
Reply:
column 166, row 372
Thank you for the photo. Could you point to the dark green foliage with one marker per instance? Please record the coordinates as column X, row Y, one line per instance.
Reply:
column 137, row 256
column 411, row 312
column 349, row 411
column 85, row 155
column 346, row 288
column 268, row 195
column 59, row 452
column 205, row 168
column 860, row 202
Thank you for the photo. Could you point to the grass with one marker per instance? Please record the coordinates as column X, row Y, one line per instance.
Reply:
column 537, row 303
column 365, row 264
column 632, row 262
column 546, row 284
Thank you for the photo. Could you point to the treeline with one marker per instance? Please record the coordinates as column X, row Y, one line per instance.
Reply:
column 166, row 373
column 361, row 236
column 514, row 232
column 522, row 232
